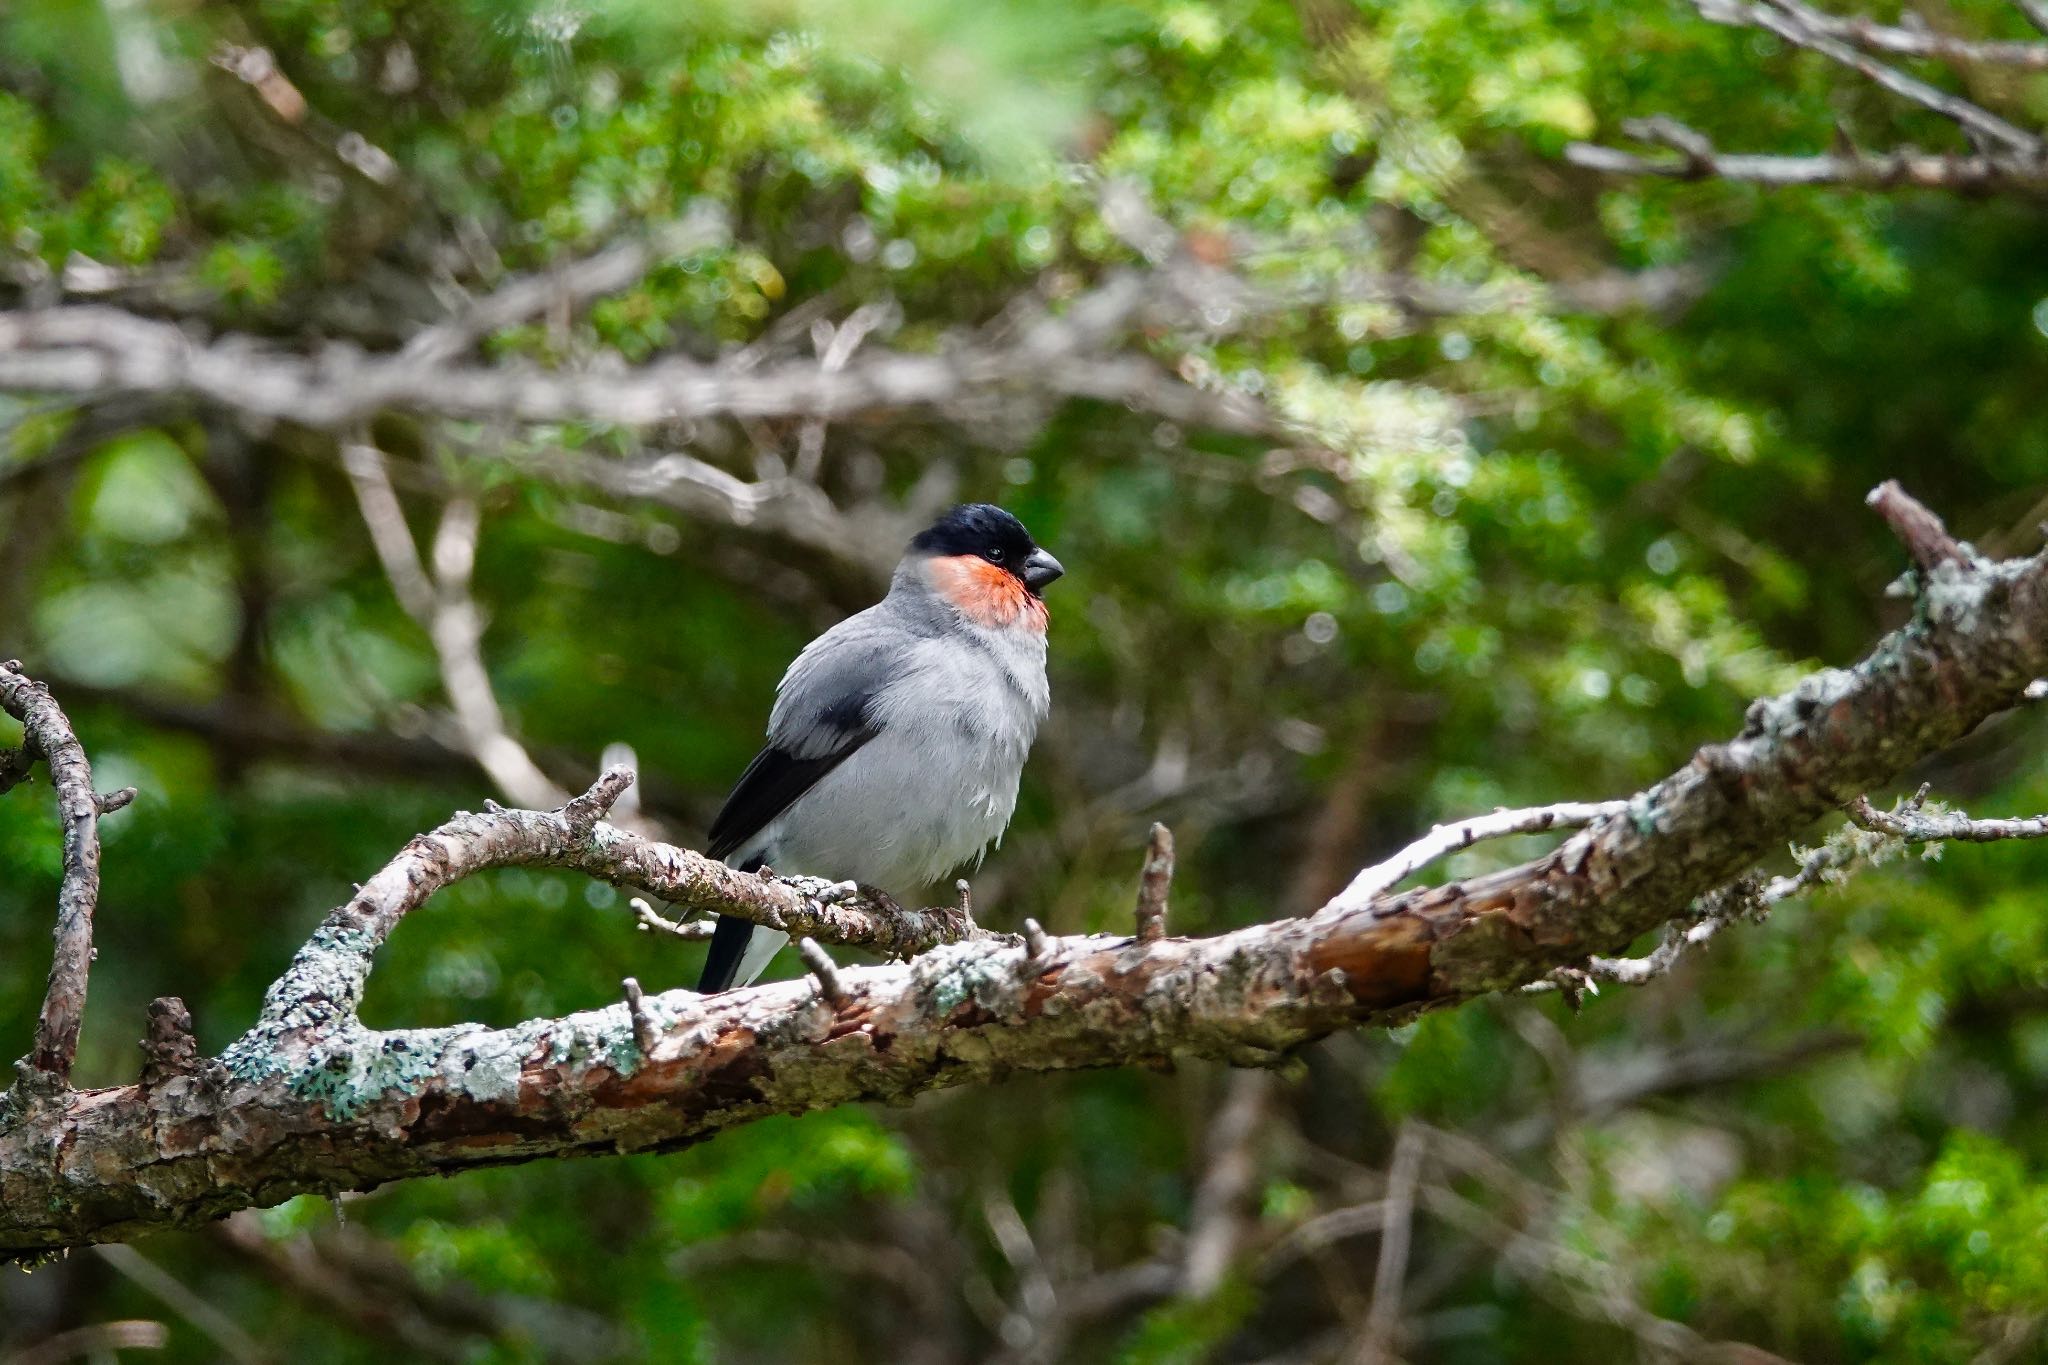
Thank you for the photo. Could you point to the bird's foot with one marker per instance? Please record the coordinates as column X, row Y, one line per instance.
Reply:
column 824, row 892
column 883, row 901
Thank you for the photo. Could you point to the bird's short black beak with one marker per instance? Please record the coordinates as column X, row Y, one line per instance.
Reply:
column 1039, row 569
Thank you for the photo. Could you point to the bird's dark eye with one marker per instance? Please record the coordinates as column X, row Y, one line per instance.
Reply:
column 995, row 554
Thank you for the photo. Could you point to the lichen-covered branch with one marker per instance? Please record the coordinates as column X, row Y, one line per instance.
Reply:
column 311, row 1100
column 1915, row 823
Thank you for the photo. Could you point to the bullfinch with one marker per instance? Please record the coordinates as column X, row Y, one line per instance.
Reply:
column 898, row 735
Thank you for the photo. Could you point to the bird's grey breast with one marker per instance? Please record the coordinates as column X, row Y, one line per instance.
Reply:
column 954, row 722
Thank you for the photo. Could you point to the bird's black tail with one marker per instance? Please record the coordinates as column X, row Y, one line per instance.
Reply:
column 728, row 945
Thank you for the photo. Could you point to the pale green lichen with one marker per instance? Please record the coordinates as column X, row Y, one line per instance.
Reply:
column 347, row 1070
column 1642, row 815
column 955, row 973
column 1953, row 595
column 483, row 1067
column 353, row 1070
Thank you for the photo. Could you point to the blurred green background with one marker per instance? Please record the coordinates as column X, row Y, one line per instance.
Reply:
column 1520, row 553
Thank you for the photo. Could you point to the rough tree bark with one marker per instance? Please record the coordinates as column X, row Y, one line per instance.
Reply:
column 311, row 1100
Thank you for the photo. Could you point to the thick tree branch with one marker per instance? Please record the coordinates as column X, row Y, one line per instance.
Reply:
column 310, row 1099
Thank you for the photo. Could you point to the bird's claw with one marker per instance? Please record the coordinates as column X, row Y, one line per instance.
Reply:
column 824, row 892
column 883, row 901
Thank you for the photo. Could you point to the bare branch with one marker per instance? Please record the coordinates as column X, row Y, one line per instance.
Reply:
column 1216, row 1216
column 2004, row 156
column 652, row 922
column 869, row 540
column 568, row 286
column 1737, row 901
column 168, row 1047
column 1443, row 840
column 366, row 1286
column 835, row 346
column 1397, row 1210
column 98, row 350
column 1792, row 21
column 646, row 1032
column 1918, row 41
column 444, row 607
column 821, row 966
column 223, row 1331
column 48, row 735
column 1904, row 169
column 1036, row 944
column 94, row 1340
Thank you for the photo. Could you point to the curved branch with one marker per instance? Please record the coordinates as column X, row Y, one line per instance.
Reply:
column 309, row 1099
column 48, row 735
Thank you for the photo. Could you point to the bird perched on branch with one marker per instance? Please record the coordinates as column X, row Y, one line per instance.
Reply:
column 898, row 735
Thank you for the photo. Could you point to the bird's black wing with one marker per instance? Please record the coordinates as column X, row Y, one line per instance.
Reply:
column 775, row 779
column 778, row 776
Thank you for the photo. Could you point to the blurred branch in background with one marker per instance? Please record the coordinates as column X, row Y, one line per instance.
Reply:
column 2004, row 156
column 444, row 607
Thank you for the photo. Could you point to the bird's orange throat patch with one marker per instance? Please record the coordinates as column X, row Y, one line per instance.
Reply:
column 985, row 594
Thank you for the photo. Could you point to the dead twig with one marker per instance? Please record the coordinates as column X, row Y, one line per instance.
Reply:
column 1154, row 882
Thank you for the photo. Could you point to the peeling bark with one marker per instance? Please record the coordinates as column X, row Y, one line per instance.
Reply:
column 311, row 1100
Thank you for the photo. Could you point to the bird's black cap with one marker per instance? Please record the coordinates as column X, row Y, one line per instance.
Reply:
column 986, row 530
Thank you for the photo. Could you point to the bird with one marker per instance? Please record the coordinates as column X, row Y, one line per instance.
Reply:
column 898, row 736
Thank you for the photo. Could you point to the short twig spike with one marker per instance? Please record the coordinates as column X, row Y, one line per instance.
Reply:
column 820, row 964
column 168, row 1047
column 1153, row 884
column 1036, row 944
column 1922, row 533
column 645, row 1034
